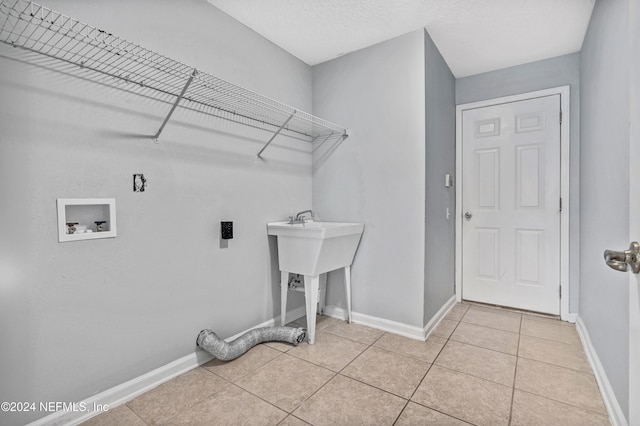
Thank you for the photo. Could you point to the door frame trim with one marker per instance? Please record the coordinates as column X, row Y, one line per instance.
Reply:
column 564, row 92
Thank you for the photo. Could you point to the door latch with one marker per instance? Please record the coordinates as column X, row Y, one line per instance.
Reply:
column 621, row 260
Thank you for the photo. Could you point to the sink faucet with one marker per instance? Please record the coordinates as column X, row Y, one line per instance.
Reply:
column 300, row 217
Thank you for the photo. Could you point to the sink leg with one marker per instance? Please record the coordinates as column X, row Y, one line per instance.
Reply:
column 347, row 289
column 284, row 288
column 323, row 293
column 311, row 285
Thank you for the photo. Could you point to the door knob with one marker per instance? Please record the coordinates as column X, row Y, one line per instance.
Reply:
column 468, row 215
column 621, row 260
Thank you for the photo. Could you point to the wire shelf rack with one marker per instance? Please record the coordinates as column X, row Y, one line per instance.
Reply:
column 35, row 28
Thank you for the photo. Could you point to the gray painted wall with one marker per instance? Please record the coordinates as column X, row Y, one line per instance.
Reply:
column 377, row 176
column 78, row 318
column 398, row 98
column 554, row 72
column 440, row 158
column 604, row 188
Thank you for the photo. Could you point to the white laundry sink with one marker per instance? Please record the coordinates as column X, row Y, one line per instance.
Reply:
column 313, row 248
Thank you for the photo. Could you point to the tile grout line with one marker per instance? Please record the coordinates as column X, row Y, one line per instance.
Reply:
column 411, row 357
column 295, row 417
column 134, row 413
column 303, row 401
column 246, row 374
column 372, row 386
column 311, row 396
column 264, row 400
column 371, row 345
column 401, row 412
column 553, row 340
column 487, row 326
column 515, row 373
column 429, row 369
column 243, row 389
column 335, row 373
column 432, row 363
column 482, row 347
column 565, row 403
column 559, row 366
column 435, row 358
column 281, row 354
column 188, row 407
column 519, row 357
column 471, row 375
column 289, row 413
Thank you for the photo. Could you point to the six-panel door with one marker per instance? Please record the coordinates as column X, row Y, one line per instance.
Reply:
column 511, row 192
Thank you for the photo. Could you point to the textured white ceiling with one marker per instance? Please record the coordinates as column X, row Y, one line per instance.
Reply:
column 473, row 36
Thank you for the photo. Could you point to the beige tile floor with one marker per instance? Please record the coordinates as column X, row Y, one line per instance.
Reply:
column 481, row 366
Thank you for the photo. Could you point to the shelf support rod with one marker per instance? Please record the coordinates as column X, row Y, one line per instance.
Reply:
column 175, row 104
column 277, row 133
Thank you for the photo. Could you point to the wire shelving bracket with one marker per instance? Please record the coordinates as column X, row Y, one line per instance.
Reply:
column 35, row 28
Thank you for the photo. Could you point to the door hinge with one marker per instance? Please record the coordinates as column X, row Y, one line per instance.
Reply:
column 560, row 203
column 560, row 291
column 560, row 117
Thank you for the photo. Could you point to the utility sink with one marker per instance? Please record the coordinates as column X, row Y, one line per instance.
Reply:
column 313, row 248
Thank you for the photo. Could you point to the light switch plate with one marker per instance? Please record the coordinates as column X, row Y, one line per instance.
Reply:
column 448, row 180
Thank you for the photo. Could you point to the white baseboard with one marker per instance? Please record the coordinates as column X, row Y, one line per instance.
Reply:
column 402, row 329
column 616, row 415
column 435, row 320
column 394, row 327
column 127, row 391
column 292, row 315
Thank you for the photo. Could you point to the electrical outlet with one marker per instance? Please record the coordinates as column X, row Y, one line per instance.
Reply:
column 226, row 230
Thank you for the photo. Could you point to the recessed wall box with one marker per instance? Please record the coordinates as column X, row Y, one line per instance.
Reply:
column 139, row 182
column 85, row 214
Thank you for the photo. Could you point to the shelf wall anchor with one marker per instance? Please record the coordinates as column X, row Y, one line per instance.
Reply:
column 175, row 104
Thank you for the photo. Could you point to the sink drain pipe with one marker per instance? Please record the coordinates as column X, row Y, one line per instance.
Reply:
column 226, row 351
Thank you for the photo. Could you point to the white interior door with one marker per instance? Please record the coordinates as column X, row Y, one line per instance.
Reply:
column 634, row 213
column 511, row 204
column 634, row 281
column 626, row 260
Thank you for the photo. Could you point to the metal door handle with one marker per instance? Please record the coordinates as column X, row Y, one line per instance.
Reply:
column 621, row 260
column 468, row 215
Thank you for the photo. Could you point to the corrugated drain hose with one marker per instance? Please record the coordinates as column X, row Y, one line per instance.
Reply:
column 226, row 351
